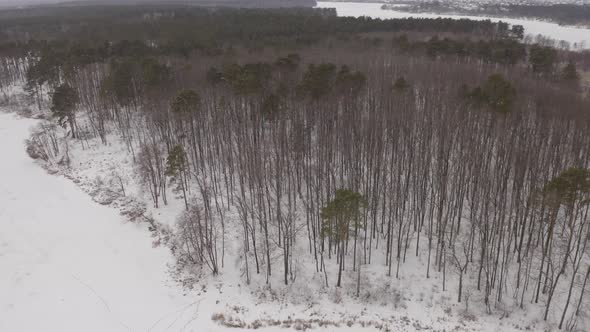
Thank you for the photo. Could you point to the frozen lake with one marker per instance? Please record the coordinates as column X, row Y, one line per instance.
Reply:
column 578, row 37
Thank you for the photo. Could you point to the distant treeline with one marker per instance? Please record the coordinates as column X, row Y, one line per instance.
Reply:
column 204, row 3
column 97, row 32
column 560, row 13
column 565, row 14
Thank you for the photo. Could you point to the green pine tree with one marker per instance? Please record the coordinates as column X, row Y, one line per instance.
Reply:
column 186, row 102
column 176, row 168
column 63, row 106
column 339, row 216
column 570, row 72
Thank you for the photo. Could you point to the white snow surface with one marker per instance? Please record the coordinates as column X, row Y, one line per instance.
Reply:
column 67, row 263
column 579, row 38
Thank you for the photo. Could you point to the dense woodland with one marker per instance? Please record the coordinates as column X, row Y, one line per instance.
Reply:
column 353, row 142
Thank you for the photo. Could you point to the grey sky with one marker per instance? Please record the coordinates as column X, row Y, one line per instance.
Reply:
column 16, row 3
column 27, row 2
column 12, row 3
column 36, row 2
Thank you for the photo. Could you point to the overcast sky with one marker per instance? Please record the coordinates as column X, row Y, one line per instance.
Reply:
column 37, row 2
column 27, row 2
column 23, row 2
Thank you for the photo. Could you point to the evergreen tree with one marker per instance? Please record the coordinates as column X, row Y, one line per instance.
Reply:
column 119, row 83
column 214, row 76
column 542, row 59
column 271, row 105
column 571, row 185
column 63, row 105
column 338, row 217
column 497, row 93
column 400, row 84
column 318, row 80
column 348, row 82
column 186, row 102
column 154, row 73
column 570, row 73
column 517, row 31
column 176, row 168
column 571, row 190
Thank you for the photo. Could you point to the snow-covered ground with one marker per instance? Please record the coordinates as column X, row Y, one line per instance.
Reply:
column 579, row 38
column 70, row 264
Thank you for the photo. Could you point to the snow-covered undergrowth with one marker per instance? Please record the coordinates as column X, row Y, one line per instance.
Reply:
column 107, row 172
column 70, row 264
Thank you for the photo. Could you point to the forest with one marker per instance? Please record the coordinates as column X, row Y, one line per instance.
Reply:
column 323, row 146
